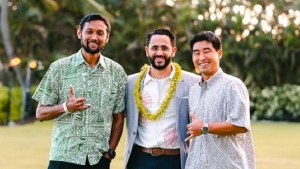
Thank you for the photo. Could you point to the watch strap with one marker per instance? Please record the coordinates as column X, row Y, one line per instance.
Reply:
column 65, row 107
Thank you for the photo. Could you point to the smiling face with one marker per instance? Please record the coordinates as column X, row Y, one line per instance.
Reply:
column 93, row 36
column 206, row 59
column 160, row 51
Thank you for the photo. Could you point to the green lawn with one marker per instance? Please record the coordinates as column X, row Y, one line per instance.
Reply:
column 277, row 146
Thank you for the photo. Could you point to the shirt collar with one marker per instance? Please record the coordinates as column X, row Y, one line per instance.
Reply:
column 148, row 77
column 212, row 79
column 79, row 59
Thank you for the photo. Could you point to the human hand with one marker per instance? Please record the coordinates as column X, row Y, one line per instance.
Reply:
column 107, row 156
column 194, row 128
column 76, row 104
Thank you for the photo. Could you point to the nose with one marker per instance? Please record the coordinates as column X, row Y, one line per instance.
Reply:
column 159, row 51
column 199, row 56
column 94, row 36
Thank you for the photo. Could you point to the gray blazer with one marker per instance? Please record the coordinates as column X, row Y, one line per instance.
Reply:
column 182, row 113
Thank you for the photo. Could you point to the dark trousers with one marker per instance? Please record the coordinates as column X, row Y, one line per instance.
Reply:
column 104, row 163
column 141, row 160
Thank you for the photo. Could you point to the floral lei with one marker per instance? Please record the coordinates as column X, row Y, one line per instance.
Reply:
column 138, row 98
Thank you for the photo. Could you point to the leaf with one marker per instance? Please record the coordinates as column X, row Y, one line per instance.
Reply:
column 171, row 137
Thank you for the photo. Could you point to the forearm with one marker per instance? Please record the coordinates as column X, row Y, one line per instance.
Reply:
column 116, row 130
column 44, row 113
column 225, row 128
column 217, row 128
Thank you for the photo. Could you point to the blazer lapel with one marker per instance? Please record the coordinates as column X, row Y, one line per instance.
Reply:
column 179, row 94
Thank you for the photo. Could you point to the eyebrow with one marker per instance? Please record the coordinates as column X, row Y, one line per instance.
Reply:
column 207, row 48
column 204, row 49
column 196, row 50
column 160, row 45
column 91, row 29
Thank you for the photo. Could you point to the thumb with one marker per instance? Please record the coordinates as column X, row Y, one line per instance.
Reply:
column 192, row 115
column 71, row 92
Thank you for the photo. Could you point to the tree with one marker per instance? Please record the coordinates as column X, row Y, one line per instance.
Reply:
column 7, row 41
column 35, row 37
column 260, row 38
column 252, row 51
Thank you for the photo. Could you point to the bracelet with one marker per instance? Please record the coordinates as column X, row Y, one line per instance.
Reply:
column 65, row 107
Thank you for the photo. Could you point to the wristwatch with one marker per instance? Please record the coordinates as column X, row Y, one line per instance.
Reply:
column 111, row 153
column 204, row 128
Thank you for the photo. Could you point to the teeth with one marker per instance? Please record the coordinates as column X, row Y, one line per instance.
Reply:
column 201, row 64
column 93, row 42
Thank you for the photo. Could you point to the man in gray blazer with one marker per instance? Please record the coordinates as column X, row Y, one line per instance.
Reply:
column 157, row 108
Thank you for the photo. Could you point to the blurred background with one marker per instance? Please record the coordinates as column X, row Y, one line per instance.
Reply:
column 260, row 45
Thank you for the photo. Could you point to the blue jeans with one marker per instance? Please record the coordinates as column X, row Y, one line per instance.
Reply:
column 141, row 160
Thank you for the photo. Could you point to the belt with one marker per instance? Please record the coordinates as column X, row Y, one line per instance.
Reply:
column 158, row 151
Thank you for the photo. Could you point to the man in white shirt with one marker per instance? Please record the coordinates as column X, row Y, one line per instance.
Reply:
column 157, row 108
column 220, row 111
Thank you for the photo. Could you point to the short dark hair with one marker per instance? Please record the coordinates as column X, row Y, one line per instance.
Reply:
column 161, row 32
column 92, row 17
column 206, row 36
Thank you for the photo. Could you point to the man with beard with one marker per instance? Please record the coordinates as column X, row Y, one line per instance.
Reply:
column 157, row 108
column 84, row 94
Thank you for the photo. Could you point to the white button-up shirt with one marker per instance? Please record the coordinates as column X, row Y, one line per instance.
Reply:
column 161, row 132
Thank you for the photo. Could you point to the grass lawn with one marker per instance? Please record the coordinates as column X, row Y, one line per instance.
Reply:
column 277, row 146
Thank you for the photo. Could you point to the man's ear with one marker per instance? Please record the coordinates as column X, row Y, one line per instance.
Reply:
column 78, row 33
column 174, row 50
column 146, row 51
column 220, row 52
column 107, row 38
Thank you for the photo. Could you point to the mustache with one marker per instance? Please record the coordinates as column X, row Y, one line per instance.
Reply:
column 159, row 56
column 93, row 41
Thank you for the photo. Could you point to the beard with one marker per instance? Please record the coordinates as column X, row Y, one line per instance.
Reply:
column 89, row 50
column 160, row 67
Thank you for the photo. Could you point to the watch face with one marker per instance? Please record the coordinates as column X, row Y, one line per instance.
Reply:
column 111, row 153
column 204, row 130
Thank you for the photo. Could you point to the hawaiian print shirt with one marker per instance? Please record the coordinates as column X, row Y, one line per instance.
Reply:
column 221, row 98
column 85, row 134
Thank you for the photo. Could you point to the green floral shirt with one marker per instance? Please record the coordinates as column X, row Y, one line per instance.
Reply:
column 83, row 134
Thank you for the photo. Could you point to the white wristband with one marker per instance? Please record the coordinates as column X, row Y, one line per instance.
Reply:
column 65, row 107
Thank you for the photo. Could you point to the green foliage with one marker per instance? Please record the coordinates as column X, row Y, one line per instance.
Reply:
column 3, row 105
column 15, row 106
column 280, row 103
column 45, row 30
column 260, row 59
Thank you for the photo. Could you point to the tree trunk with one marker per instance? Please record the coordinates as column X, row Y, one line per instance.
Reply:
column 7, row 42
column 9, row 49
